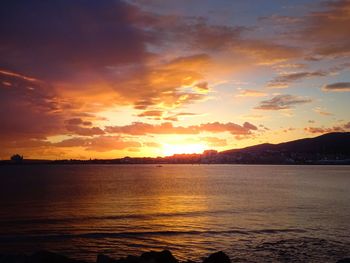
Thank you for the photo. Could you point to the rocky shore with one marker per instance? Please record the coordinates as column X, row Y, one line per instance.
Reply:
column 164, row 256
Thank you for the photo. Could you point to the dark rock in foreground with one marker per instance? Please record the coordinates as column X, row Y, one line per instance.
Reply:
column 104, row 259
column 164, row 256
column 39, row 257
column 218, row 257
column 46, row 256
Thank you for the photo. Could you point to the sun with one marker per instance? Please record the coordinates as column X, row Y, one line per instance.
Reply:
column 171, row 149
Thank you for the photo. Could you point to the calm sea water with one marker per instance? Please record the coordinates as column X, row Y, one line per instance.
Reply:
column 253, row 213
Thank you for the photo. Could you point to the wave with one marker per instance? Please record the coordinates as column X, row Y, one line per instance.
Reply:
column 79, row 219
column 103, row 235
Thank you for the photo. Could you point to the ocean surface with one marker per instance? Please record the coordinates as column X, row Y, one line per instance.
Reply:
column 254, row 213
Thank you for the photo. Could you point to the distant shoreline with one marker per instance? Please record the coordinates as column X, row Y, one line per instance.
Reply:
column 80, row 162
column 327, row 149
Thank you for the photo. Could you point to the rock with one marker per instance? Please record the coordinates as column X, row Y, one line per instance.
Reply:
column 344, row 260
column 130, row 259
column 13, row 259
column 50, row 257
column 218, row 257
column 101, row 258
column 164, row 256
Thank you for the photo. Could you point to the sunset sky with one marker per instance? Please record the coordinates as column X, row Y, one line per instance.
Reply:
column 107, row 79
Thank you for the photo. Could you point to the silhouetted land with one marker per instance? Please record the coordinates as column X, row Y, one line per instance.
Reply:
column 331, row 148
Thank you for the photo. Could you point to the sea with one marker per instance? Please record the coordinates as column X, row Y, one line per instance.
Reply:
column 254, row 213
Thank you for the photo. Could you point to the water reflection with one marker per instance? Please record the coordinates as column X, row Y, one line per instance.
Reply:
column 192, row 210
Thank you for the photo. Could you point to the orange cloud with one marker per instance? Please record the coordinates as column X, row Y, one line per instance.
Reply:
column 324, row 130
column 151, row 113
column 251, row 93
column 140, row 128
column 338, row 128
column 99, row 144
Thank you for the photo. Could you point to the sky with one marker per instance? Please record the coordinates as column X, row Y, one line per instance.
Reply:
column 107, row 79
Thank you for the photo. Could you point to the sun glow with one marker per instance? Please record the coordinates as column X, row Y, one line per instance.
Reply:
column 171, row 149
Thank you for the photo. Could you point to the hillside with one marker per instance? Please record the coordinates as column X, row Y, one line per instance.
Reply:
column 331, row 146
column 338, row 142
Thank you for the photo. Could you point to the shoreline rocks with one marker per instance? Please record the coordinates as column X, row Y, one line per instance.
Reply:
column 164, row 256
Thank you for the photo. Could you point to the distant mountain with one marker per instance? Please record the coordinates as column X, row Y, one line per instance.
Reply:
column 327, row 148
column 331, row 143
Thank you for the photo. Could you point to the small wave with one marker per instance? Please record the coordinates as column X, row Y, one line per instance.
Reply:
column 103, row 235
column 80, row 219
column 276, row 231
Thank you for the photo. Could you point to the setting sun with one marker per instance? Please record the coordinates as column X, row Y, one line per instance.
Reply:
column 171, row 149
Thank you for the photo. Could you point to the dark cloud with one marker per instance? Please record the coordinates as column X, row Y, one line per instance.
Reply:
column 58, row 40
column 280, row 20
column 83, row 131
column 78, row 121
column 328, row 30
column 283, row 80
column 213, row 37
column 28, row 108
column 337, row 87
column 282, row 102
column 200, row 35
column 202, row 86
